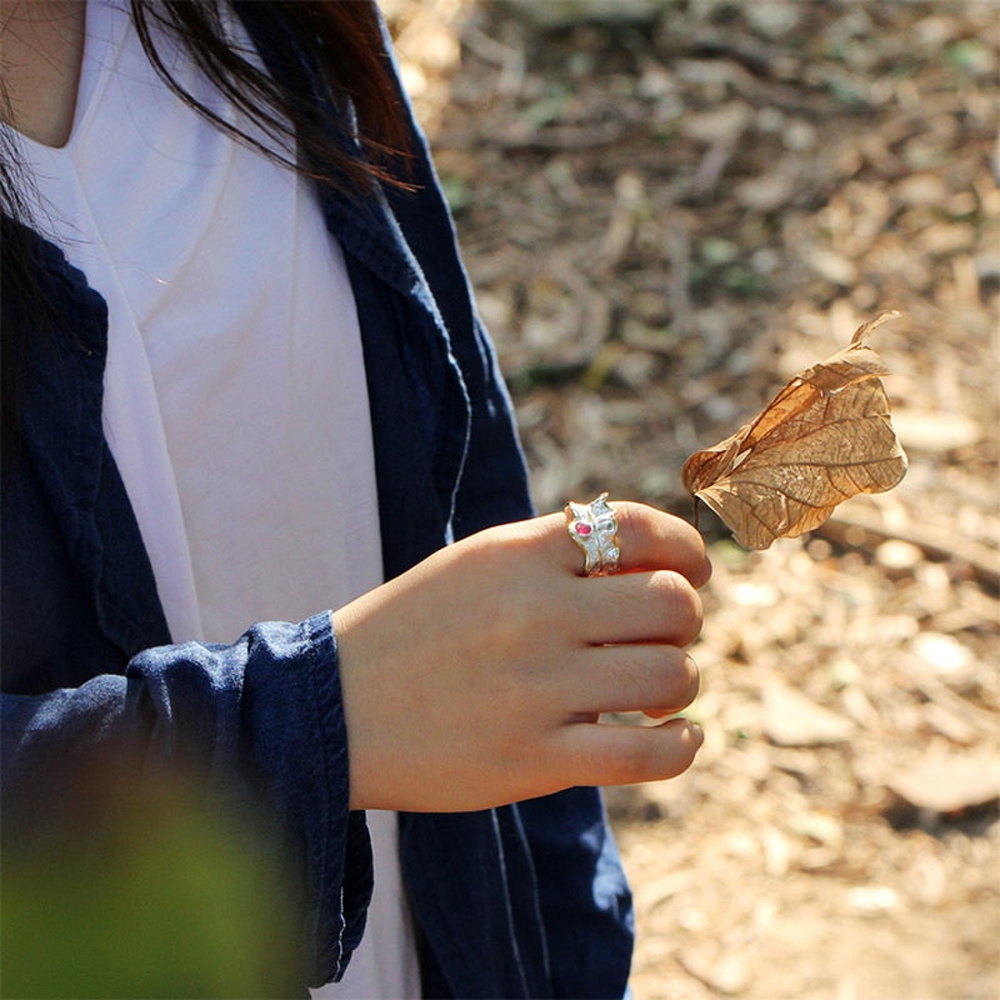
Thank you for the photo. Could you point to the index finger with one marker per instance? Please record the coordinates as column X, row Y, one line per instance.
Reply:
column 649, row 539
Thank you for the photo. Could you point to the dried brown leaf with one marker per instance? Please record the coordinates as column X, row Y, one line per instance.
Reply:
column 824, row 438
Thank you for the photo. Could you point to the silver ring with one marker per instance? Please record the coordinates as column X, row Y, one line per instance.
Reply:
column 594, row 527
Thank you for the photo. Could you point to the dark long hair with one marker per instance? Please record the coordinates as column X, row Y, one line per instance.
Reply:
column 332, row 102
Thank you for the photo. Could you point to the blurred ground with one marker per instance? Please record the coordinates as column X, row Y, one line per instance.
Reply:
column 667, row 208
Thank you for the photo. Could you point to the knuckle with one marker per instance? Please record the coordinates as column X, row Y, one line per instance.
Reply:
column 684, row 682
column 652, row 759
column 683, row 606
column 677, row 682
column 637, row 760
column 659, row 539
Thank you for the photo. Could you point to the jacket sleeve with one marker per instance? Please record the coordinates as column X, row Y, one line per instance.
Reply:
column 256, row 726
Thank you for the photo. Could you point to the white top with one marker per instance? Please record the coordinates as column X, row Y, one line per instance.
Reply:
column 235, row 397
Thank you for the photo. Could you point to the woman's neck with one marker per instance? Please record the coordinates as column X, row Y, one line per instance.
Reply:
column 41, row 50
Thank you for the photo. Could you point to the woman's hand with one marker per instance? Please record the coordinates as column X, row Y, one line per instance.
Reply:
column 477, row 678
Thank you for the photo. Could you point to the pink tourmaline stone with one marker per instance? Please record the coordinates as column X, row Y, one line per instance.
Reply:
column 582, row 529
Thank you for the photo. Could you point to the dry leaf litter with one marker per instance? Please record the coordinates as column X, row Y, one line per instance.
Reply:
column 667, row 209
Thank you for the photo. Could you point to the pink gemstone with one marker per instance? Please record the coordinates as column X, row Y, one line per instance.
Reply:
column 581, row 528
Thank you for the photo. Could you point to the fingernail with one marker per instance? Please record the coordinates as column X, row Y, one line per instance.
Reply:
column 697, row 733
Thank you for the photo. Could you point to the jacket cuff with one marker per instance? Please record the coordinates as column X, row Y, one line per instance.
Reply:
column 295, row 709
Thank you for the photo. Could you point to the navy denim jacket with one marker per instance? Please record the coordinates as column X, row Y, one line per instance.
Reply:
column 524, row 900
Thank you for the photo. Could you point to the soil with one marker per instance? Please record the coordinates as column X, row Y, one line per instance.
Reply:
column 667, row 209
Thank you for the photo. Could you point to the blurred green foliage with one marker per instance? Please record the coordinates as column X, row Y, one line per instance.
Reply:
column 164, row 898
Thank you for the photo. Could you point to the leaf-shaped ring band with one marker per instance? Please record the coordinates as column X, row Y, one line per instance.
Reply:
column 594, row 527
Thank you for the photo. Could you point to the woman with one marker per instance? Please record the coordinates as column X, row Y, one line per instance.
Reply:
column 244, row 382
